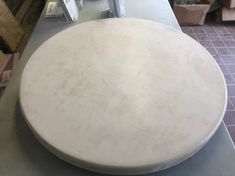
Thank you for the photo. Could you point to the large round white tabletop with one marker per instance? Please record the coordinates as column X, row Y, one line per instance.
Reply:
column 122, row 96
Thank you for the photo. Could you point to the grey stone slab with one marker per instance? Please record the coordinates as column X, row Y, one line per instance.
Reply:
column 22, row 154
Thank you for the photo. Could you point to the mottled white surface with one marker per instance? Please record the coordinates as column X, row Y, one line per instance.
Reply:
column 122, row 96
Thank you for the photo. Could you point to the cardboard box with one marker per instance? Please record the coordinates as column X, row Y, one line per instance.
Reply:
column 229, row 3
column 228, row 14
column 191, row 14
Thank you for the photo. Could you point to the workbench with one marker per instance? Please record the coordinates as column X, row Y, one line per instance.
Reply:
column 22, row 154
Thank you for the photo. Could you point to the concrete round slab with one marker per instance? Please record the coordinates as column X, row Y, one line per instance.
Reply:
column 122, row 96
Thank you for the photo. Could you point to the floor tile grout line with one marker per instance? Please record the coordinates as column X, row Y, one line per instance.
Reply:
column 220, row 46
column 231, row 103
column 232, row 125
column 233, row 75
column 231, row 64
column 230, row 110
column 230, row 84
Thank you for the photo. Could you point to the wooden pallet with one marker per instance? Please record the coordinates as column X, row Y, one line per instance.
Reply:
column 11, row 31
column 23, row 10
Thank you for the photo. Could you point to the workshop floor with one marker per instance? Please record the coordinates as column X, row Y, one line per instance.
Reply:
column 219, row 40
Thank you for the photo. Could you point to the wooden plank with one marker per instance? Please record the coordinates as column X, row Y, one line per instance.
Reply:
column 2, row 59
column 9, row 69
column 10, row 30
column 23, row 10
column 16, row 58
column 29, row 22
column 5, row 78
column 4, row 62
